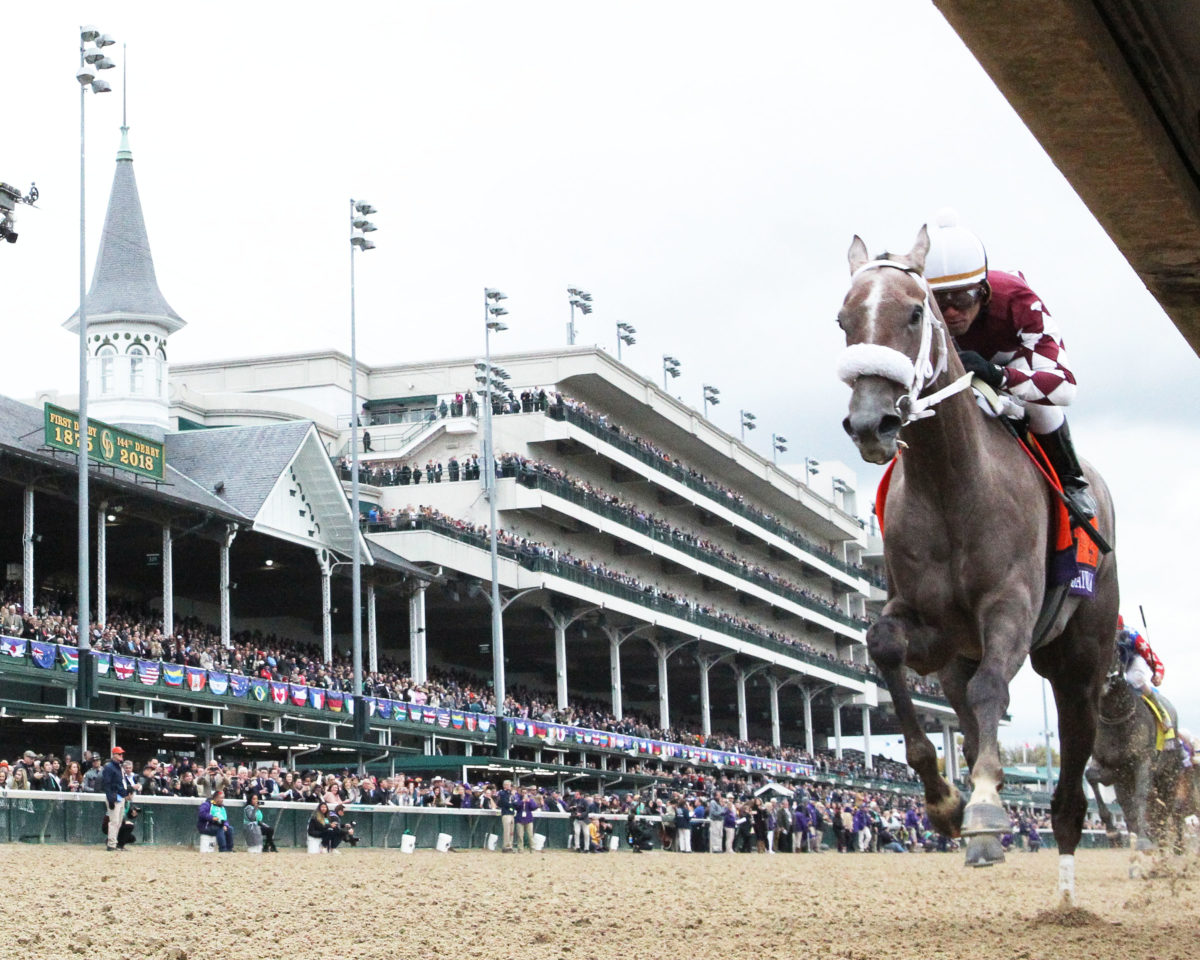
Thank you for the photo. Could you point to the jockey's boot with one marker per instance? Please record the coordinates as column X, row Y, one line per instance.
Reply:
column 1061, row 452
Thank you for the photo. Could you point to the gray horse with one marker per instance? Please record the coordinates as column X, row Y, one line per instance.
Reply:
column 967, row 544
column 1124, row 758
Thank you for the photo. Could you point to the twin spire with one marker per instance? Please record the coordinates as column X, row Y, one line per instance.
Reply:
column 124, row 285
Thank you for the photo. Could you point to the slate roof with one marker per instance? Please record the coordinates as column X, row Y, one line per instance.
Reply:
column 22, row 431
column 247, row 460
column 123, row 281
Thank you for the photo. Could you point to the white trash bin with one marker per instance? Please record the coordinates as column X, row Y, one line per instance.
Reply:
column 208, row 844
column 493, row 841
column 539, row 841
column 254, row 849
column 408, row 843
column 614, row 843
column 314, row 845
column 443, row 842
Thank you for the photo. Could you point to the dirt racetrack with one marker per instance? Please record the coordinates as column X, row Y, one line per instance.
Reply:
column 174, row 904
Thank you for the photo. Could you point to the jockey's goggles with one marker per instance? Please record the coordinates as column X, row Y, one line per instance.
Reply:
column 961, row 299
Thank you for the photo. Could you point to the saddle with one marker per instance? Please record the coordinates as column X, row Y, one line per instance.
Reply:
column 1165, row 735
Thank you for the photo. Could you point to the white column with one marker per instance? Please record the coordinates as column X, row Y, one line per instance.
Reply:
column 948, row 752
column 776, row 738
column 416, row 634
column 837, row 727
column 168, row 582
column 27, row 556
column 326, row 564
column 664, row 702
column 743, row 725
column 866, row 724
column 424, row 635
column 808, row 729
column 372, row 631
column 705, row 699
column 226, row 543
column 614, row 672
column 101, row 565
column 560, row 660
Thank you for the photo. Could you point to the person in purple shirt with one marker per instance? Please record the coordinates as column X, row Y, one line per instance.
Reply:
column 801, row 823
column 525, row 808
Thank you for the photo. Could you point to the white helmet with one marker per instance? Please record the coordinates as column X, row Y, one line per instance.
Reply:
column 956, row 256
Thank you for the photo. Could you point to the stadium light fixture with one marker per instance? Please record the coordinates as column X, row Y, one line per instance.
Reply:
column 778, row 446
column 625, row 335
column 711, row 396
column 91, row 39
column 359, row 226
column 582, row 300
column 747, row 421
column 671, row 368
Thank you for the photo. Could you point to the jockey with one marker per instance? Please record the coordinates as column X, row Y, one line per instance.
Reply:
column 1143, row 670
column 1007, row 338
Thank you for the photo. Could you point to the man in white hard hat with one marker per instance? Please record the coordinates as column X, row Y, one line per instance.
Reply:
column 1006, row 337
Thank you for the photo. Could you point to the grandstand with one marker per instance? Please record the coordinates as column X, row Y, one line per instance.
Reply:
column 676, row 600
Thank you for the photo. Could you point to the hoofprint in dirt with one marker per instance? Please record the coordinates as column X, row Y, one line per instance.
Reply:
column 160, row 903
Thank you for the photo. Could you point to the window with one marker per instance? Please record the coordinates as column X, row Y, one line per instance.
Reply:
column 160, row 366
column 107, row 353
column 137, row 368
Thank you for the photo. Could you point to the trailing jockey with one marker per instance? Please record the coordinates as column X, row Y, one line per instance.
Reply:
column 1143, row 670
column 1007, row 338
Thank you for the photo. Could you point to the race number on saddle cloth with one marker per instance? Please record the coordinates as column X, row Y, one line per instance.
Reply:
column 1074, row 557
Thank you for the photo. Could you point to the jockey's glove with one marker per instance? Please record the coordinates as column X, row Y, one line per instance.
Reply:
column 985, row 370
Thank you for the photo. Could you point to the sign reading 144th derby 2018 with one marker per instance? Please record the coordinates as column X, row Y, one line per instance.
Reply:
column 106, row 444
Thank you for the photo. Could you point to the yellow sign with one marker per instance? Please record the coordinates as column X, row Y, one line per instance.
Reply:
column 106, row 444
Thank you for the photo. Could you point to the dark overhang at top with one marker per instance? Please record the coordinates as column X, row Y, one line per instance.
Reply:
column 1111, row 89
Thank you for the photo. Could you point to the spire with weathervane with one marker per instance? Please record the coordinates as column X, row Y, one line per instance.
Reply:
column 129, row 320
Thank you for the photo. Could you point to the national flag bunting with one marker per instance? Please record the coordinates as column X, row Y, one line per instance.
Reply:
column 384, row 708
column 172, row 674
column 218, row 682
column 316, row 698
column 299, row 693
column 43, row 654
column 429, row 715
column 123, row 667
column 197, row 678
column 279, row 692
column 443, row 718
column 333, row 700
column 148, row 671
column 238, row 684
column 258, row 689
column 414, row 713
column 103, row 662
column 472, row 721
column 457, row 720
column 370, row 704
column 486, row 723
column 12, row 647
column 70, row 658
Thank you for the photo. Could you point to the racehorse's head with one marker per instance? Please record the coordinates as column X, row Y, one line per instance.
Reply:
column 889, row 320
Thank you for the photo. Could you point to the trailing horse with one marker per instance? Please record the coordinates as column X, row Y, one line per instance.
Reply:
column 967, row 548
column 1153, row 789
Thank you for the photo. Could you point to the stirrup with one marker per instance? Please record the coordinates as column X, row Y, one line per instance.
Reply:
column 1080, row 496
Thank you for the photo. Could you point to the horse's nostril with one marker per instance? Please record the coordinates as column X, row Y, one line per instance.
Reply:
column 846, row 426
column 889, row 425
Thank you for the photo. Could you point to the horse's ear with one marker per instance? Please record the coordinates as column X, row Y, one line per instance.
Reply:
column 920, row 250
column 858, row 253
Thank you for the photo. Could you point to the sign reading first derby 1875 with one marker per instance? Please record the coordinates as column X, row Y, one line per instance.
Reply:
column 106, row 444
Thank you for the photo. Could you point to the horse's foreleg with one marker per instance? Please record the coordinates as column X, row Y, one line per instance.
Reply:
column 1005, row 645
column 888, row 641
column 954, row 679
column 1096, row 776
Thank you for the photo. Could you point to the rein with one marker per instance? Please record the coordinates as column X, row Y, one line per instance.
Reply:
column 914, row 375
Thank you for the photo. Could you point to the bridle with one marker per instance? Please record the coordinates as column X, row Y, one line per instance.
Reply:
column 875, row 359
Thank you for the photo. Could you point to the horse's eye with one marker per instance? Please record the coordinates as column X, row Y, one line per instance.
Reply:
column 917, row 313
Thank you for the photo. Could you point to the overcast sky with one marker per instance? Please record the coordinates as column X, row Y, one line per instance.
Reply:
column 699, row 167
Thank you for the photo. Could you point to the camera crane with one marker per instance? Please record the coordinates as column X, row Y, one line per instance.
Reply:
column 10, row 196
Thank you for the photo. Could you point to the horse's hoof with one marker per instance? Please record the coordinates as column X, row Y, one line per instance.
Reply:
column 984, row 850
column 985, row 818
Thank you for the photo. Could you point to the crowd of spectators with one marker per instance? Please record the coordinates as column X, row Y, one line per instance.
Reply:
column 136, row 633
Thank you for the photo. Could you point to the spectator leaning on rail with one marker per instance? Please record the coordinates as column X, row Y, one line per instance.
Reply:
column 212, row 820
column 115, row 789
column 1006, row 337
